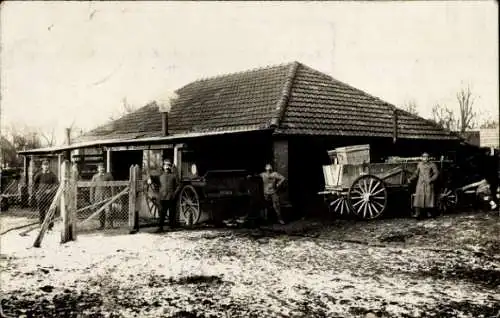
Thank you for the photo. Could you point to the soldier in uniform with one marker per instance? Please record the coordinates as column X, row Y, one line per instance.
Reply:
column 426, row 174
column 272, row 181
column 45, row 185
column 100, row 193
column 169, row 187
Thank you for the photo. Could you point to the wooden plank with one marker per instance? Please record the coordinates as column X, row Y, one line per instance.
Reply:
column 144, row 147
column 111, row 200
column 92, row 205
column 82, row 184
column 48, row 217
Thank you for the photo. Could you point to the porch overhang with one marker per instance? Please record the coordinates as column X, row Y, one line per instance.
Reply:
column 145, row 143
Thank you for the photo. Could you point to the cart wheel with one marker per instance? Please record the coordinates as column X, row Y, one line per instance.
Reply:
column 367, row 197
column 448, row 200
column 189, row 205
column 339, row 205
column 152, row 201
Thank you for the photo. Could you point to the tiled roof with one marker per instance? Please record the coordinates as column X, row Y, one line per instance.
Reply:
column 240, row 100
column 292, row 98
column 321, row 105
column 144, row 122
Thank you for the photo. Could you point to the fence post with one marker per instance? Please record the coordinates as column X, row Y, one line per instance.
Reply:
column 73, row 199
column 67, row 198
column 132, row 200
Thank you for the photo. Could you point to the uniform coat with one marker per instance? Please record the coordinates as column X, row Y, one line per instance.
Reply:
column 168, row 185
column 45, row 185
column 98, row 192
column 426, row 174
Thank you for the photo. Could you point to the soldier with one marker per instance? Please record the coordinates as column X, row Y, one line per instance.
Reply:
column 169, row 187
column 45, row 185
column 426, row 174
column 490, row 172
column 272, row 181
column 99, row 193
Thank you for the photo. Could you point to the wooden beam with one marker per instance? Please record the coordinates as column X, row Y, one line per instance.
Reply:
column 132, row 200
column 82, row 184
column 65, row 205
column 108, row 160
column 113, row 199
column 142, row 147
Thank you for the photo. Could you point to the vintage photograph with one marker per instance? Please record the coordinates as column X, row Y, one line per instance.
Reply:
column 209, row 159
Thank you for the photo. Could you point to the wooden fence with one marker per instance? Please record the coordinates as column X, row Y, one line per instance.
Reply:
column 66, row 200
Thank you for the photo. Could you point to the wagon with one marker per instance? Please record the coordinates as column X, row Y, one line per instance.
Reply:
column 209, row 198
column 365, row 190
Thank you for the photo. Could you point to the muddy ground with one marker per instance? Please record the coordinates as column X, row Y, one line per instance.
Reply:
column 445, row 267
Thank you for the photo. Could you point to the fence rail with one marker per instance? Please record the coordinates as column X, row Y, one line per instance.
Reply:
column 89, row 206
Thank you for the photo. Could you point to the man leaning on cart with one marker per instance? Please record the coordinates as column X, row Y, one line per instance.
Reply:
column 426, row 175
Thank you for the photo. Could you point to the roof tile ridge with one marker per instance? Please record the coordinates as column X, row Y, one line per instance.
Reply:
column 282, row 103
column 255, row 69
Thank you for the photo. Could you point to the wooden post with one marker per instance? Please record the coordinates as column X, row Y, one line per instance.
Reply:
column 132, row 200
column 31, row 172
column 108, row 161
column 65, row 182
column 73, row 199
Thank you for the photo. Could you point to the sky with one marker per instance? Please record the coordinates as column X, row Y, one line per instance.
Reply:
column 66, row 63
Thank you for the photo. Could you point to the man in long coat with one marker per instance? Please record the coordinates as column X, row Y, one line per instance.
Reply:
column 169, row 187
column 426, row 175
column 272, row 182
column 100, row 193
column 45, row 185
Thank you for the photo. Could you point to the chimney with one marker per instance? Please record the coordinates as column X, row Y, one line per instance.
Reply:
column 68, row 136
column 164, row 105
column 395, row 125
column 164, row 123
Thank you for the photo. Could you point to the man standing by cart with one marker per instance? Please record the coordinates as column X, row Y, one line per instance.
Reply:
column 100, row 193
column 169, row 187
column 272, row 182
column 426, row 175
column 45, row 185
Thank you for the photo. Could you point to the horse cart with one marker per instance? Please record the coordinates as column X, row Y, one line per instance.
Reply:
column 366, row 190
column 213, row 197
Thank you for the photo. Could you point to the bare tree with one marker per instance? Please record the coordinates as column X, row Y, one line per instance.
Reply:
column 47, row 138
column 444, row 116
column 24, row 137
column 467, row 114
column 410, row 106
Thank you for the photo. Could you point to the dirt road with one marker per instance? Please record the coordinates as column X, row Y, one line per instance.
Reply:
column 447, row 267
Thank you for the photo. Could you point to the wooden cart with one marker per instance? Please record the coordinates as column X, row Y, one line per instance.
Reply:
column 365, row 190
column 208, row 197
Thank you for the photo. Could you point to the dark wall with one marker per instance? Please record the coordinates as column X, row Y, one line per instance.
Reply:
column 250, row 151
column 121, row 162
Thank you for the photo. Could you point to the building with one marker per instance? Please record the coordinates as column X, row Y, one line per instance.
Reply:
column 489, row 138
column 289, row 115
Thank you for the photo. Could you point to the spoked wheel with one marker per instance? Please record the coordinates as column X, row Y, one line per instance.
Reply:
column 189, row 205
column 152, row 201
column 367, row 197
column 448, row 200
column 339, row 205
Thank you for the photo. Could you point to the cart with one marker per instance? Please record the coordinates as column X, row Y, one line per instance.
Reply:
column 366, row 189
column 209, row 198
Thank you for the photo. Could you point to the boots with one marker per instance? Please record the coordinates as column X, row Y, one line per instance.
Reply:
column 417, row 213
